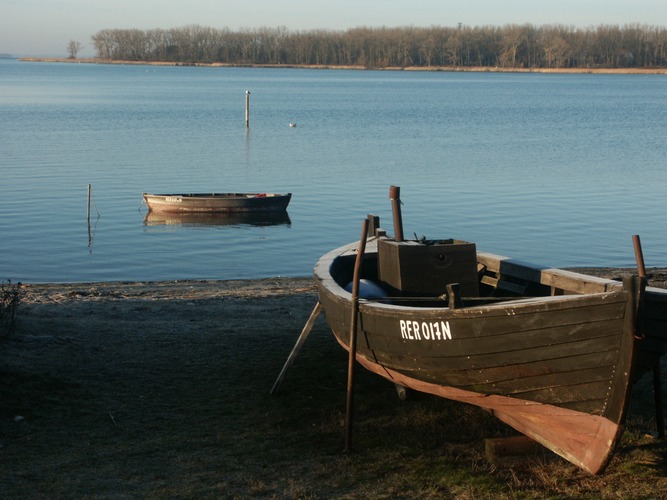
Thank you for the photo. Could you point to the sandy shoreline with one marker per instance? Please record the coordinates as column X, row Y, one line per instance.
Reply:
column 156, row 290
column 472, row 69
column 211, row 289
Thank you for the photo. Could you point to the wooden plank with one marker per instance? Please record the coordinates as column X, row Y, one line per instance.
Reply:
column 556, row 278
column 490, row 261
column 489, row 280
column 479, row 335
column 503, row 452
column 583, row 353
column 576, row 282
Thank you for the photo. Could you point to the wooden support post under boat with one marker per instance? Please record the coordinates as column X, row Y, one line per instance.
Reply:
column 657, row 381
column 353, row 335
column 297, row 347
column 395, row 197
column 512, row 450
column 402, row 392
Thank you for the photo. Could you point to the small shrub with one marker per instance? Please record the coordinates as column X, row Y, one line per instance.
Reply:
column 10, row 296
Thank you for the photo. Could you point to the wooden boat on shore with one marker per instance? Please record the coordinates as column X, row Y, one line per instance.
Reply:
column 217, row 202
column 550, row 352
column 553, row 365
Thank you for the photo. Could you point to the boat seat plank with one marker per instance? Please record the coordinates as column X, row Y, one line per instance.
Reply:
column 558, row 279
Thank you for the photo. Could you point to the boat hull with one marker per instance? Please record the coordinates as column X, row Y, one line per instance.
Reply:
column 217, row 202
column 512, row 275
column 556, row 368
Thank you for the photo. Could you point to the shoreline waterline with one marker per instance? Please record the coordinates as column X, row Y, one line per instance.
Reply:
column 657, row 276
column 453, row 69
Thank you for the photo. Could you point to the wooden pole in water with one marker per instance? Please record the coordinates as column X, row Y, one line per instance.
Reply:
column 353, row 335
column 657, row 377
column 89, row 191
column 247, row 108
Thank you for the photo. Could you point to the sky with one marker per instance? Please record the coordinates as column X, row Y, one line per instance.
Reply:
column 45, row 27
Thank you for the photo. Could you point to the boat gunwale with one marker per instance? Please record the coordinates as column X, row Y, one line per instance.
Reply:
column 328, row 282
column 218, row 196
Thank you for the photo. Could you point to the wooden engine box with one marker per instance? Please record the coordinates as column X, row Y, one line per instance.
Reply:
column 428, row 267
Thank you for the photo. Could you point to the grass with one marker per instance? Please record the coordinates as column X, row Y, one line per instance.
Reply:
column 10, row 296
column 134, row 405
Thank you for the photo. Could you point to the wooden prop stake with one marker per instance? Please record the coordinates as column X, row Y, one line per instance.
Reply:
column 639, row 255
column 353, row 336
column 395, row 197
column 657, row 379
column 297, row 347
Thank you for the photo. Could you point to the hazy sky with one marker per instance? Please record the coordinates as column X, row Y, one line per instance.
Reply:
column 44, row 27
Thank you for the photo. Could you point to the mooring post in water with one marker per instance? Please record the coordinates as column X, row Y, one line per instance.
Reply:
column 395, row 197
column 247, row 108
column 353, row 335
column 89, row 191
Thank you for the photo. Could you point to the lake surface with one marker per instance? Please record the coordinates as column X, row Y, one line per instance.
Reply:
column 559, row 170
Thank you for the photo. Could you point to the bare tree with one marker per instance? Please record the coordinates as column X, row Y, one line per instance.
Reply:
column 514, row 37
column 73, row 49
column 515, row 46
column 554, row 47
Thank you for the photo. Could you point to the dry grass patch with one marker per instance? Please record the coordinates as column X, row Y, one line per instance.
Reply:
column 156, row 390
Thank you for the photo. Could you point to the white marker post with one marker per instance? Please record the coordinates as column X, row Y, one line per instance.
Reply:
column 247, row 108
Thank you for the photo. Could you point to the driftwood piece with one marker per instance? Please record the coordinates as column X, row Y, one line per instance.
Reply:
column 512, row 450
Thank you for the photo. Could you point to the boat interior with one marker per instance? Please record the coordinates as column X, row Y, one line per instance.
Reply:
column 428, row 272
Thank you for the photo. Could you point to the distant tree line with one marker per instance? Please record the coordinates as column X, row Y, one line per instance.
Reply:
column 510, row 46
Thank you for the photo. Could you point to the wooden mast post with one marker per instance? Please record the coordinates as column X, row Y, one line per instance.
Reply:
column 395, row 197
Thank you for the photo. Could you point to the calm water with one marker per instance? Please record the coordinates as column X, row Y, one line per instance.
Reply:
column 556, row 169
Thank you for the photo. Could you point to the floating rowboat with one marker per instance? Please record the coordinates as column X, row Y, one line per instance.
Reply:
column 217, row 202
